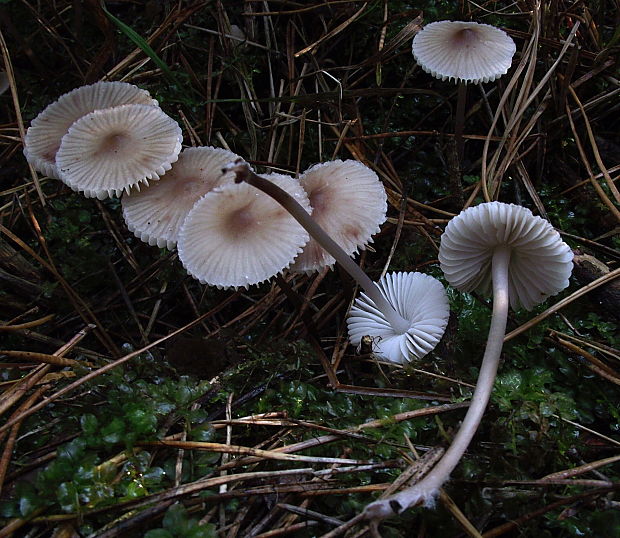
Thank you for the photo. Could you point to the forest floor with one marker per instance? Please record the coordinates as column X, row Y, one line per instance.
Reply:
column 136, row 401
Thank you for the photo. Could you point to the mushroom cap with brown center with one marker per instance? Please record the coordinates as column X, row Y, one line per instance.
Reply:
column 237, row 236
column 349, row 202
column 47, row 129
column 466, row 51
column 108, row 151
column 155, row 213
column 540, row 262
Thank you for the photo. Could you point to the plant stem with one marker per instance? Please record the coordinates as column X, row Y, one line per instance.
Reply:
column 427, row 489
column 243, row 173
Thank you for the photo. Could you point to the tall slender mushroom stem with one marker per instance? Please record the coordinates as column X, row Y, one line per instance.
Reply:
column 243, row 173
column 459, row 123
column 427, row 489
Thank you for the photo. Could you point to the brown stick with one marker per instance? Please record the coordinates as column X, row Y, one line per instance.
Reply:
column 39, row 357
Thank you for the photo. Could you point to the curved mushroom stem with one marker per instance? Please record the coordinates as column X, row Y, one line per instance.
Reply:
column 427, row 489
column 243, row 173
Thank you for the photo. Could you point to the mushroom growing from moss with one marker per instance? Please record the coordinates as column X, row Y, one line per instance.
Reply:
column 155, row 213
column 521, row 258
column 109, row 151
column 235, row 236
column 332, row 186
column 47, row 129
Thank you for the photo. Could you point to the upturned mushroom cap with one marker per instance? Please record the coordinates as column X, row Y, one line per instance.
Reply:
column 419, row 299
column 540, row 262
column 108, row 151
column 155, row 213
column 466, row 51
column 349, row 202
column 47, row 129
column 237, row 236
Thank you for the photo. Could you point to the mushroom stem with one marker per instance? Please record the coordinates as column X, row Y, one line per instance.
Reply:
column 427, row 489
column 243, row 173
column 459, row 123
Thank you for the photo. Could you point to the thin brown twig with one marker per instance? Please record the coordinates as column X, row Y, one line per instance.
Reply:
column 27, row 325
column 597, row 156
column 8, row 66
column 39, row 357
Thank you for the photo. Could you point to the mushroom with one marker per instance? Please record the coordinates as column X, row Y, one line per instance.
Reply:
column 466, row 52
column 155, row 213
column 108, row 151
column 349, row 202
column 463, row 51
column 47, row 129
column 520, row 257
column 418, row 298
column 235, row 236
column 377, row 300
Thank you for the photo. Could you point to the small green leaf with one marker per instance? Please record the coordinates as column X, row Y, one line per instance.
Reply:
column 89, row 423
column 158, row 533
column 139, row 41
column 175, row 517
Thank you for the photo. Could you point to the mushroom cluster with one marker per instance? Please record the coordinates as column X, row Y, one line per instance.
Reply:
column 103, row 139
column 234, row 228
column 111, row 138
column 224, row 232
column 405, row 314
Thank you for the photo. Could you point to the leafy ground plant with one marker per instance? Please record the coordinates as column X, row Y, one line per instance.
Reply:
column 136, row 401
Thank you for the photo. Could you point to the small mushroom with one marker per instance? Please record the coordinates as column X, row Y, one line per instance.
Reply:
column 155, row 213
column 235, row 236
column 463, row 51
column 520, row 257
column 418, row 298
column 466, row 52
column 349, row 202
column 109, row 151
column 47, row 129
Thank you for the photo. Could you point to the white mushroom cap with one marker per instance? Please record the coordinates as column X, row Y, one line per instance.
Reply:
column 540, row 262
column 155, row 213
column 237, row 236
column 418, row 298
column 108, row 151
column 47, row 129
column 465, row 51
column 349, row 202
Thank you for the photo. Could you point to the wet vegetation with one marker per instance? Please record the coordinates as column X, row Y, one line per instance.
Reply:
column 188, row 411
